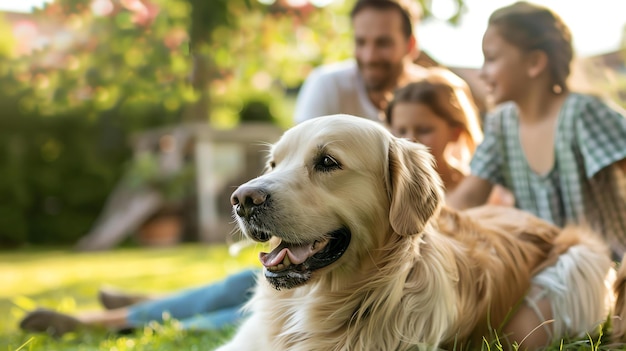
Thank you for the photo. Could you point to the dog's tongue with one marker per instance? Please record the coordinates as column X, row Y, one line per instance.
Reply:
column 297, row 253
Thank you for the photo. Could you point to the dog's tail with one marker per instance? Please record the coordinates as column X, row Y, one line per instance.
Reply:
column 618, row 333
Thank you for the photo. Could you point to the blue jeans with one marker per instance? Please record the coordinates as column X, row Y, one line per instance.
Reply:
column 208, row 307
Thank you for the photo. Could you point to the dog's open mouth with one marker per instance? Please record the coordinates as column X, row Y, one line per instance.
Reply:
column 291, row 265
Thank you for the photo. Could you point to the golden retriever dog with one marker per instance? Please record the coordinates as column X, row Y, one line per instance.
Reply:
column 365, row 256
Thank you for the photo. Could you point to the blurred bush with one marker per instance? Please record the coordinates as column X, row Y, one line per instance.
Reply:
column 68, row 111
column 113, row 68
column 54, row 175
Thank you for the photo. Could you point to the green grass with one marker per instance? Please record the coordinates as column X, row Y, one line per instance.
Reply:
column 68, row 281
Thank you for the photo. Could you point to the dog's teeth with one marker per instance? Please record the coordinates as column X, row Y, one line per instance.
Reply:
column 286, row 261
column 279, row 267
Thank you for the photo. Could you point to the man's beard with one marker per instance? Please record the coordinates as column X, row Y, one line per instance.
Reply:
column 380, row 82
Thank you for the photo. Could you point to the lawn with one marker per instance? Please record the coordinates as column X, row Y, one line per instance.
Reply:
column 68, row 281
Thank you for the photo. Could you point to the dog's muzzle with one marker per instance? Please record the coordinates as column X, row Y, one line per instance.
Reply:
column 247, row 201
column 289, row 264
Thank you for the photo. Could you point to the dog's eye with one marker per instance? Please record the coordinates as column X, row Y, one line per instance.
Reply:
column 272, row 164
column 326, row 164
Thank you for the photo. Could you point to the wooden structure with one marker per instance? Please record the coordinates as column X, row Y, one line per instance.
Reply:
column 223, row 159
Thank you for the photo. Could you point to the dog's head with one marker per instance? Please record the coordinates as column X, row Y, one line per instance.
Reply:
column 336, row 187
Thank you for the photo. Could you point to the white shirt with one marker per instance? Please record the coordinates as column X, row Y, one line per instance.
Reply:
column 332, row 89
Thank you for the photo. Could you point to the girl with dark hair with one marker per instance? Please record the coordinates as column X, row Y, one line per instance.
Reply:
column 561, row 153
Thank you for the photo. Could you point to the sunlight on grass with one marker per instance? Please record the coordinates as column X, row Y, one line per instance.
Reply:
column 39, row 272
column 68, row 281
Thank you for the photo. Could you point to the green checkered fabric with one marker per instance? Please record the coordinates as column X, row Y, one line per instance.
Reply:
column 583, row 186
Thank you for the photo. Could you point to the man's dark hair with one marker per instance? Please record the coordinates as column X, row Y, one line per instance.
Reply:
column 409, row 10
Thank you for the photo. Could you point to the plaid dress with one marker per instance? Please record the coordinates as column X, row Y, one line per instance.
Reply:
column 584, row 186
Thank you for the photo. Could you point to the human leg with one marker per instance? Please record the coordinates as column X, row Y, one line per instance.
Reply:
column 219, row 301
column 214, row 320
column 233, row 291
column 57, row 323
column 113, row 299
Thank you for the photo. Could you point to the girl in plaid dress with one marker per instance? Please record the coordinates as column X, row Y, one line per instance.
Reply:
column 561, row 153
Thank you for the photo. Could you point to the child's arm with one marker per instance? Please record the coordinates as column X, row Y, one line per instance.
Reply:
column 472, row 191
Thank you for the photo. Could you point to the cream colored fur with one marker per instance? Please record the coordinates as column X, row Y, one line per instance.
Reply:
column 416, row 274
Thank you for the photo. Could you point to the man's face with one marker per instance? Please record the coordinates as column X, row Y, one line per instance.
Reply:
column 380, row 47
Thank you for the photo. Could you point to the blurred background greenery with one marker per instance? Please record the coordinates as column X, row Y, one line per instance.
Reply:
column 122, row 67
column 115, row 68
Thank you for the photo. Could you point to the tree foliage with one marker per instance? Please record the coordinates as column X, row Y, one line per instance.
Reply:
column 69, row 109
column 118, row 67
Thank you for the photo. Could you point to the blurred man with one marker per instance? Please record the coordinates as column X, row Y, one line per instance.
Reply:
column 384, row 50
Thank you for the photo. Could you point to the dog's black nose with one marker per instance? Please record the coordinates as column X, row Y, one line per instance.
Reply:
column 246, row 200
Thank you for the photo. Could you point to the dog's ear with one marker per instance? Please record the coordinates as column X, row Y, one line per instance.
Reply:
column 415, row 187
